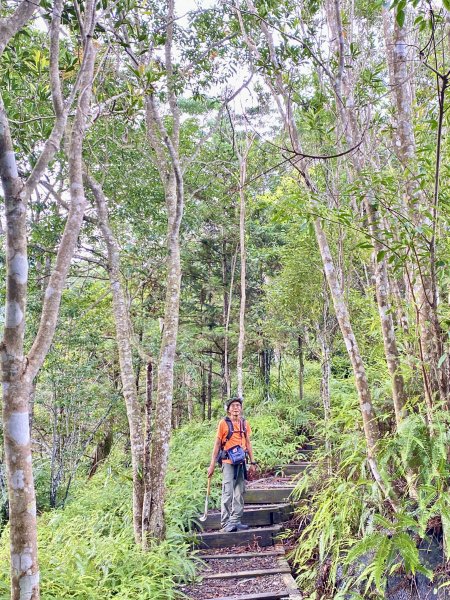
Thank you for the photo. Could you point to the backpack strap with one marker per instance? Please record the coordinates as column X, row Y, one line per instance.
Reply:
column 242, row 428
column 230, row 428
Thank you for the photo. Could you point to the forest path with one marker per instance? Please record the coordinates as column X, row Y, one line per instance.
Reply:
column 251, row 564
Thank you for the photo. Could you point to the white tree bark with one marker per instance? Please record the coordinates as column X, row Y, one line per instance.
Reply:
column 19, row 371
column 241, row 340
column 421, row 278
column 348, row 126
column 123, row 337
column 11, row 25
column 168, row 163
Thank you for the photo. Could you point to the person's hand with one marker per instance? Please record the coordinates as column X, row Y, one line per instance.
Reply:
column 211, row 470
column 252, row 468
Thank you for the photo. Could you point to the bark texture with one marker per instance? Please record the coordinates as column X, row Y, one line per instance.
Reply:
column 18, row 372
column 421, row 279
column 123, row 338
column 166, row 148
column 241, row 341
column 349, row 129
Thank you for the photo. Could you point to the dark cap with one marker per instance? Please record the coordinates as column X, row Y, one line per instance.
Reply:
column 231, row 400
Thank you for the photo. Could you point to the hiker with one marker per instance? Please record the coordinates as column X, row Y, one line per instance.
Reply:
column 231, row 448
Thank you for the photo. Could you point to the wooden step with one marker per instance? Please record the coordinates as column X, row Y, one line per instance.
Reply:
column 263, row 536
column 254, row 517
column 294, row 468
column 250, row 573
column 283, row 595
column 279, row 551
column 307, row 450
column 268, row 496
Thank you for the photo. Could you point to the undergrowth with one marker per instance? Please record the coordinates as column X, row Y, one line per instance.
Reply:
column 349, row 540
column 87, row 549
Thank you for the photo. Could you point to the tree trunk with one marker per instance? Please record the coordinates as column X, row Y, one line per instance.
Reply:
column 203, row 392
column 102, row 450
column 326, row 377
column 123, row 339
column 166, row 148
column 163, row 413
column 147, row 451
column 241, row 340
column 55, row 470
column 423, row 276
column 225, row 384
column 227, row 301
column 209, row 394
column 384, row 309
column 282, row 97
column 348, row 127
column 189, row 396
column 301, row 367
column 18, row 373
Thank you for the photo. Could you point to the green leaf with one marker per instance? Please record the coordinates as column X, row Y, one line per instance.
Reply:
column 441, row 360
column 400, row 17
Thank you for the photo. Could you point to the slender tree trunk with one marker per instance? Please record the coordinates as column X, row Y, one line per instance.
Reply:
column 241, row 340
column 55, row 454
column 368, row 414
column 18, row 373
column 228, row 303
column 163, row 412
column 209, row 394
column 127, row 374
column 422, row 277
column 203, row 390
column 189, row 396
column 166, row 144
column 348, row 127
column 387, row 324
column 147, row 451
column 225, row 370
column 326, row 377
column 301, row 366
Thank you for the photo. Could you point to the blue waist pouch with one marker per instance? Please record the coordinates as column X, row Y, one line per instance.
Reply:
column 236, row 454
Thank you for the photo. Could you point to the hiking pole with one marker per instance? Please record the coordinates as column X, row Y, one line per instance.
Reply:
column 208, row 489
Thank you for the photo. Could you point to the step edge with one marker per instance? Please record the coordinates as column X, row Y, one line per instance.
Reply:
column 244, row 555
column 280, row 570
column 263, row 596
column 270, row 529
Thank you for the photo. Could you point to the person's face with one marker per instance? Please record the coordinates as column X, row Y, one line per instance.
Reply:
column 235, row 410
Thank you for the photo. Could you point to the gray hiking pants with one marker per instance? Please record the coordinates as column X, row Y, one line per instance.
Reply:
column 232, row 495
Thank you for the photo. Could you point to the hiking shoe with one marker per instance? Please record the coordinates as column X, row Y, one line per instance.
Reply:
column 241, row 527
column 229, row 528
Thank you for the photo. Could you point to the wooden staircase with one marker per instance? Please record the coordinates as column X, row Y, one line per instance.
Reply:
column 268, row 503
